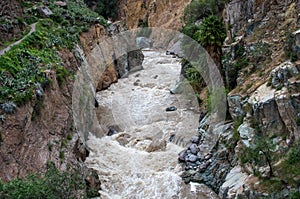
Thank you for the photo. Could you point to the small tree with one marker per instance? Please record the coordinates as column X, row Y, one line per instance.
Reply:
column 211, row 35
column 260, row 153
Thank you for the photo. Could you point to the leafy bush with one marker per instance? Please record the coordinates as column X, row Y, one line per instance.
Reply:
column 53, row 185
column 199, row 9
column 294, row 154
column 211, row 32
column 107, row 8
column 258, row 154
column 190, row 30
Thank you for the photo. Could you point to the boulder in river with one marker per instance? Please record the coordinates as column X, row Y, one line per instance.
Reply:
column 112, row 131
column 171, row 108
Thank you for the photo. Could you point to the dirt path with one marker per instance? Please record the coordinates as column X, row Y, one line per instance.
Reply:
column 33, row 28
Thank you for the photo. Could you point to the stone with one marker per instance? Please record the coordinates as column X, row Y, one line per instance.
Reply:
column 203, row 166
column 143, row 42
column 282, row 73
column 192, row 158
column 182, row 155
column 171, row 108
column 195, row 139
column 235, row 106
column 234, row 181
column 246, row 133
column 44, row 11
column 61, row 4
column 194, row 148
column 157, row 145
column 112, row 131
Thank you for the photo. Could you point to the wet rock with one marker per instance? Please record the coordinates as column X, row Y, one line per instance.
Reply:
column 203, row 166
column 192, row 158
column 194, row 148
column 197, row 178
column 135, row 60
column 203, row 113
column 112, row 131
column 182, row 155
column 170, row 52
column 143, row 42
column 157, row 145
column 123, row 139
column 171, row 108
column 195, row 139
column 171, row 138
column 208, row 156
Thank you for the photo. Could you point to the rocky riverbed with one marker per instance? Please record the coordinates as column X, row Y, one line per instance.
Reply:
column 147, row 128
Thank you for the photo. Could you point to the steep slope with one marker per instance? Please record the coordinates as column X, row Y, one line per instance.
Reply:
column 165, row 14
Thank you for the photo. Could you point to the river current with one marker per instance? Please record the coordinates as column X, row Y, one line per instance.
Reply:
column 140, row 161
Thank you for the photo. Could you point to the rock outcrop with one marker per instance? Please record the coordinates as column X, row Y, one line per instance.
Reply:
column 262, row 69
column 37, row 132
column 12, row 25
column 164, row 14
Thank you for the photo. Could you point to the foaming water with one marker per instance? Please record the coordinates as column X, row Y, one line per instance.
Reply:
column 140, row 161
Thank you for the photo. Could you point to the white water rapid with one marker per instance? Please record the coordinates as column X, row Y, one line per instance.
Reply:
column 140, row 161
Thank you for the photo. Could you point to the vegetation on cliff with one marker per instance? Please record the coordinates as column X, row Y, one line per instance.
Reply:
column 27, row 71
column 23, row 68
column 53, row 184
column 203, row 23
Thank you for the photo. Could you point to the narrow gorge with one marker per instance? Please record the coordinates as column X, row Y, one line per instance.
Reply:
column 150, row 99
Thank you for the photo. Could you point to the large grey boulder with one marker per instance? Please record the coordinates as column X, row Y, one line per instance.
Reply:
column 143, row 42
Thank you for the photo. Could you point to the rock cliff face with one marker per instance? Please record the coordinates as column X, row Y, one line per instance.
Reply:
column 43, row 130
column 11, row 20
column 165, row 13
column 266, row 96
column 262, row 67
column 37, row 132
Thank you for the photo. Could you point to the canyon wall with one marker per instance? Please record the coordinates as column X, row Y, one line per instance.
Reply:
column 165, row 13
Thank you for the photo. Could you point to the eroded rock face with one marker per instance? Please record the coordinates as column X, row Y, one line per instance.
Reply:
column 34, row 134
column 9, row 29
column 210, row 167
column 113, row 62
column 165, row 14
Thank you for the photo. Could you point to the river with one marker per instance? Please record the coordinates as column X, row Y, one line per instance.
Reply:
column 140, row 161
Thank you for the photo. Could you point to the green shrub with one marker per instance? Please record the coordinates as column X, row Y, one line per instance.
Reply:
column 211, row 32
column 199, row 9
column 53, row 185
column 259, row 154
column 295, row 195
column 294, row 154
column 69, row 137
column 298, row 121
column 107, row 8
